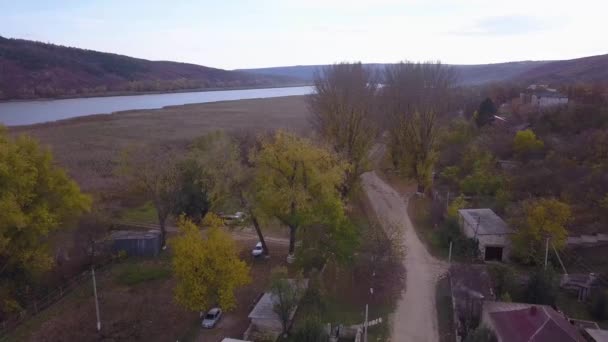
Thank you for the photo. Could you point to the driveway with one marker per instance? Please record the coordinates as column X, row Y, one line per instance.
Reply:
column 415, row 318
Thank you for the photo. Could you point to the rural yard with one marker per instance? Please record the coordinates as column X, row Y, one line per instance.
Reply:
column 134, row 309
column 415, row 318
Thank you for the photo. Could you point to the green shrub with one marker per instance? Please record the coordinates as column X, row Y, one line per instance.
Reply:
column 542, row 287
column 310, row 331
column 481, row 334
column 461, row 245
column 503, row 278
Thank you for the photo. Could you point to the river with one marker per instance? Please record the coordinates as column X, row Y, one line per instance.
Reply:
column 31, row 112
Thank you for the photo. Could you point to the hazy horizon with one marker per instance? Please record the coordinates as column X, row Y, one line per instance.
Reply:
column 273, row 33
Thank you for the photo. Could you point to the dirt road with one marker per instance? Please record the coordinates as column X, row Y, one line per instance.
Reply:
column 415, row 318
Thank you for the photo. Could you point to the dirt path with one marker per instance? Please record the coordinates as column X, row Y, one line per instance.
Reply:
column 415, row 318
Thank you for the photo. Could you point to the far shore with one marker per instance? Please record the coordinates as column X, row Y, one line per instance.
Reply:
column 153, row 92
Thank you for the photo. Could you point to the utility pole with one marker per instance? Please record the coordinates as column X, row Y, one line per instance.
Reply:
column 365, row 326
column 546, row 252
column 96, row 300
column 450, row 254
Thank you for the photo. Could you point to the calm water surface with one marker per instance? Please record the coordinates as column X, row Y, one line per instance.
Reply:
column 31, row 112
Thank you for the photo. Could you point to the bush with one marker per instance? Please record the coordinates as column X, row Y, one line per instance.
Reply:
column 481, row 334
column 310, row 331
column 598, row 307
column 504, row 280
column 542, row 287
column 461, row 245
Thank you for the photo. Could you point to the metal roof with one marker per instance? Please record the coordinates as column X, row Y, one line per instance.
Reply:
column 485, row 221
column 134, row 234
column 523, row 322
column 598, row 335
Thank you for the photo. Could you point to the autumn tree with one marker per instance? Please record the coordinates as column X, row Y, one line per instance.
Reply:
column 37, row 199
column 192, row 200
column 526, row 142
column 219, row 158
column 154, row 172
column 415, row 94
column 342, row 112
column 485, row 113
column 297, row 182
column 226, row 174
column 540, row 219
column 207, row 268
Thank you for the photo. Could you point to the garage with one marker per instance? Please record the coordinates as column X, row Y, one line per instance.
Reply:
column 493, row 253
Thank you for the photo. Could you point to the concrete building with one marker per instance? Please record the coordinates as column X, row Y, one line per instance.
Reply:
column 521, row 322
column 492, row 233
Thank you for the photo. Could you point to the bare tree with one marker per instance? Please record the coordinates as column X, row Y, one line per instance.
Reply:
column 414, row 95
column 342, row 112
column 154, row 172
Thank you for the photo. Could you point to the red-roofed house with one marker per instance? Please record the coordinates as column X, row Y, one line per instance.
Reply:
column 520, row 322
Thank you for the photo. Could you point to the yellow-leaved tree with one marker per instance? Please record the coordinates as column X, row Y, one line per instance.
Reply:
column 542, row 219
column 37, row 198
column 207, row 267
column 297, row 182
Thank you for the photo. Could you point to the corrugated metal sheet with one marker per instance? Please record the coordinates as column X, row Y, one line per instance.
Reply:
column 136, row 243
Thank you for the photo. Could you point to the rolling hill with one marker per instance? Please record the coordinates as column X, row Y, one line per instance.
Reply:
column 31, row 69
column 588, row 69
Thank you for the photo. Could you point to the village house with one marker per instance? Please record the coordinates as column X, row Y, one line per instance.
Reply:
column 542, row 96
column 521, row 322
column 492, row 233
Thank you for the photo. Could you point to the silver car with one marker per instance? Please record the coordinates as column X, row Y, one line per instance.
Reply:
column 211, row 318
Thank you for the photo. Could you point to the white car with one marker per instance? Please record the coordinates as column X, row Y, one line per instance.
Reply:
column 257, row 250
column 238, row 216
column 211, row 318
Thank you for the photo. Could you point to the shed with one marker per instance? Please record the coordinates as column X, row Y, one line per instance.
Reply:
column 136, row 242
column 264, row 319
column 489, row 230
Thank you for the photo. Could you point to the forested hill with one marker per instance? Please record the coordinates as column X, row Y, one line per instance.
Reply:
column 580, row 70
column 31, row 69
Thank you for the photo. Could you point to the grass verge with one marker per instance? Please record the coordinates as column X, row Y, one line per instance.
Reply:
column 445, row 312
column 132, row 274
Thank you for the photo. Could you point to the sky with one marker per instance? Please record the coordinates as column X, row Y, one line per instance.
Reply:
column 263, row 33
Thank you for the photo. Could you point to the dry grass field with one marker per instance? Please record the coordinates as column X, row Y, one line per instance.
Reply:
column 90, row 147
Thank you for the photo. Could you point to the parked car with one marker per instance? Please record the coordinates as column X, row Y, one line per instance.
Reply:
column 238, row 216
column 212, row 318
column 257, row 250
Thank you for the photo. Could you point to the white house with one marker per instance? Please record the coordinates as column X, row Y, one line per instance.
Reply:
column 492, row 233
column 543, row 97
